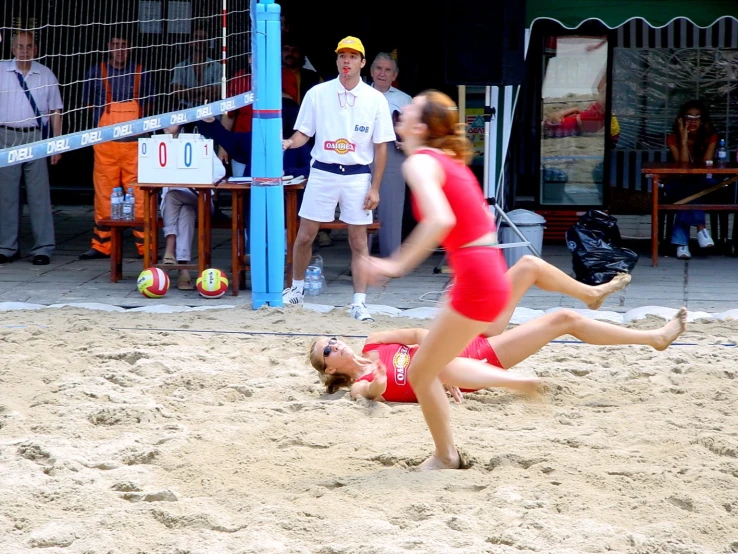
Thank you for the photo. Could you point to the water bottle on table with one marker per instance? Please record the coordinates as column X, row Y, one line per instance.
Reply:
column 129, row 205
column 722, row 154
column 116, row 203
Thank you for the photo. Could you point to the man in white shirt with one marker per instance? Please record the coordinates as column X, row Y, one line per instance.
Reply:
column 384, row 71
column 352, row 125
column 30, row 110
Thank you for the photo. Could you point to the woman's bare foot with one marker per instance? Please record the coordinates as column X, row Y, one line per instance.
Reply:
column 619, row 282
column 669, row 332
column 436, row 462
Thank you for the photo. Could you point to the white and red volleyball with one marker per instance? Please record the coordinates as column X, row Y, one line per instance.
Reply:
column 212, row 283
column 153, row 282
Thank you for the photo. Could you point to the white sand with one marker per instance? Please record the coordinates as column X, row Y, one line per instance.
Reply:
column 116, row 442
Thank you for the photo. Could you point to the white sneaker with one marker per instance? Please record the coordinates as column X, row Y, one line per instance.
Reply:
column 359, row 311
column 704, row 239
column 683, row 253
column 292, row 296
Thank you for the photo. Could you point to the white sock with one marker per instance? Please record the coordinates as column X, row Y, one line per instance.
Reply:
column 299, row 285
column 359, row 298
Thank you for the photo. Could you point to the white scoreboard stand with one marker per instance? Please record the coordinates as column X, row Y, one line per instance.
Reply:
column 187, row 159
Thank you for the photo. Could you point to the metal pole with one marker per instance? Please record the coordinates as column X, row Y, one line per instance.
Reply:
column 485, row 175
column 224, row 80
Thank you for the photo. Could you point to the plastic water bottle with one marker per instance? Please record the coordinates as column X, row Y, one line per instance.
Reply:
column 129, row 204
column 722, row 153
column 317, row 261
column 116, row 203
column 312, row 281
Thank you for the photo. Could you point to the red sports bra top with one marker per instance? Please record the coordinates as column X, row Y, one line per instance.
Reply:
column 466, row 199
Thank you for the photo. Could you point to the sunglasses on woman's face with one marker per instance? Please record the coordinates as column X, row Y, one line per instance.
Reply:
column 693, row 117
column 327, row 350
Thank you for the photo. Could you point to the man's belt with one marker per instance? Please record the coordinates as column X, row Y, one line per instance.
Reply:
column 20, row 129
column 342, row 169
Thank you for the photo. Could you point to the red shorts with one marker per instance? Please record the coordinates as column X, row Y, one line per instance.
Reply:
column 481, row 349
column 480, row 289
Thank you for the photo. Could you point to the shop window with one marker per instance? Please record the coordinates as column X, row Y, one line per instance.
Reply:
column 574, row 124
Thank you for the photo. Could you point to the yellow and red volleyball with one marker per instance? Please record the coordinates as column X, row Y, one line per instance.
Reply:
column 153, row 282
column 212, row 283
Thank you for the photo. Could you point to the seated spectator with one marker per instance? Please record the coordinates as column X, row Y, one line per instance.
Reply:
column 238, row 120
column 296, row 79
column 237, row 145
column 197, row 78
column 693, row 139
column 179, row 212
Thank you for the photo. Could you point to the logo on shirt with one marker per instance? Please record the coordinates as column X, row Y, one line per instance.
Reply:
column 340, row 146
column 401, row 361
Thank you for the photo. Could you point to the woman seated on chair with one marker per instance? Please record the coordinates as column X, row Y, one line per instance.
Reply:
column 693, row 140
column 379, row 372
column 179, row 212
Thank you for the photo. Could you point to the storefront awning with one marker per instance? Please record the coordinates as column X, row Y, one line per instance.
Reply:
column 613, row 13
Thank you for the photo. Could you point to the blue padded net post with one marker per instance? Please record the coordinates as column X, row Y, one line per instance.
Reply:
column 267, row 193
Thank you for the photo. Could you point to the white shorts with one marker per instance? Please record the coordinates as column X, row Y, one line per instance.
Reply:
column 325, row 190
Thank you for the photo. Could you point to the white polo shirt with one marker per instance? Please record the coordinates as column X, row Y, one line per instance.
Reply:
column 346, row 124
column 15, row 109
column 397, row 99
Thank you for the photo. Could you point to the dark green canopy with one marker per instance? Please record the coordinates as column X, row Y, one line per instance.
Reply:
column 613, row 13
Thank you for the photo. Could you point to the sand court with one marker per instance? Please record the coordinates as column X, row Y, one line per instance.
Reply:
column 186, row 441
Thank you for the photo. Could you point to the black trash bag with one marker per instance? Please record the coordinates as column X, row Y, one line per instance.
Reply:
column 596, row 258
column 595, row 220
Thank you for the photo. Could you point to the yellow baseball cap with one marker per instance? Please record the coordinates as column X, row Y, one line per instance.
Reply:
column 351, row 43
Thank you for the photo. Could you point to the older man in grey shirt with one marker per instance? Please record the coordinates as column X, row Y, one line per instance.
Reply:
column 30, row 110
column 392, row 202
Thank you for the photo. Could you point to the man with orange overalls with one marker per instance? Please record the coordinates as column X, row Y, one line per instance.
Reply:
column 116, row 90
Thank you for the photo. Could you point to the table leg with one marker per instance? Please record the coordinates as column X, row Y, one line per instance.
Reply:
column 116, row 255
column 203, row 222
column 655, row 223
column 147, row 228
column 291, row 224
column 237, row 246
column 154, row 211
column 208, row 228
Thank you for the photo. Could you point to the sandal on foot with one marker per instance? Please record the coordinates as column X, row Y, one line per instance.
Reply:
column 185, row 283
column 169, row 260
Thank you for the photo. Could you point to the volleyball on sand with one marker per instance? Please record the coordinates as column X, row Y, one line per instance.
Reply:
column 212, row 283
column 153, row 282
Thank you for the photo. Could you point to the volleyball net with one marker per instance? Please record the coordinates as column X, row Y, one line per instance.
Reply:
column 177, row 61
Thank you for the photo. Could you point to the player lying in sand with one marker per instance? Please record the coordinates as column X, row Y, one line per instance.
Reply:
column 380, row 372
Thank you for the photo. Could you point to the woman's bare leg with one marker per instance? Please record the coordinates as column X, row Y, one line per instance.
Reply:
column 447, row 337
column 515, row 345
column 466, row 373
column 530, row 271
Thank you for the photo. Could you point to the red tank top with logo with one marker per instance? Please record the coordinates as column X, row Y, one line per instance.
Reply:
column 397, row 357
column 466, row 199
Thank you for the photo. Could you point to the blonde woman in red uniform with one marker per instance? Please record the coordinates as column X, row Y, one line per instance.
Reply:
column 380, row 371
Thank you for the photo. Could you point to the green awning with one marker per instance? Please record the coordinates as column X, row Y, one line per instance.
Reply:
column 613, row 13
